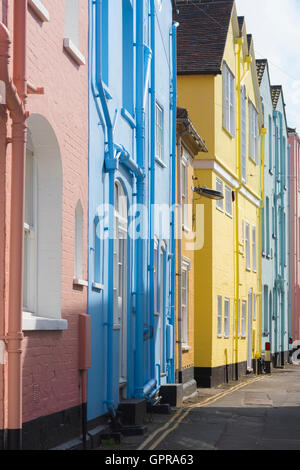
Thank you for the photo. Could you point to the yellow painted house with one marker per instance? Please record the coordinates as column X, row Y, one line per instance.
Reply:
column 189, row 144
column 217, row 83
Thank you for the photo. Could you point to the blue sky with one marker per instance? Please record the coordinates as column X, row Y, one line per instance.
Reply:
column 275, row 26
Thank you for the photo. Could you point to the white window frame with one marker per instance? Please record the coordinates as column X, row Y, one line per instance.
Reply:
column 220, row 316
column 78, row 248
column 226, row 317
column 159, row 132
column 244, row 319
column 219, row 187
column 40, row 10
column 254, row 306
column 244, row 134
column 155, row 268
column 185, row 268
column 247, row 243
column 228, row 100
column 30, row 236
column 185, row 161
column 71, row 38
column 254, row 249
column 163, row 272
column 253, row 134
column 228, row 201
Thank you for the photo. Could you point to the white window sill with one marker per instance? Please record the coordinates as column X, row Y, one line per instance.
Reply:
column 39, row 9
column 219, row 209
column 80, row 282
column 186, row 347
column 229, row 215
column 34, row 323
column 73, row 51
column 97, row 286
column 186, row 229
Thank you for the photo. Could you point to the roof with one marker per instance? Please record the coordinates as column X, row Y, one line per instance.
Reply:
column 241, row 20
column 185, row 127
column 260, row 66
column 275, row 91
column 202, row 34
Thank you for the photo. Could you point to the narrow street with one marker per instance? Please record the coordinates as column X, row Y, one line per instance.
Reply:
column 263, row 414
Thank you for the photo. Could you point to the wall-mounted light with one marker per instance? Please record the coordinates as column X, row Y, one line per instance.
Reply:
column 208, row 193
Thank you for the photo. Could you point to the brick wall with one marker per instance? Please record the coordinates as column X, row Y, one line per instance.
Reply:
column 51, row 380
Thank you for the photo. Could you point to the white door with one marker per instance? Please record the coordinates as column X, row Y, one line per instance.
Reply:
column 249, row 346
column 120, row 279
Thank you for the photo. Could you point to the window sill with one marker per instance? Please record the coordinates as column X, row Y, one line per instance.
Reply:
column 73, row 51
column 186, row 348
column 186, row 229
column 248, row 269
column 33, row 323
column 160, row 162
column 80, row 282
column 228, row 132
column 253, row 160
column 39, row 9
column 219, row 209
column 229, row 215
column 97, row 286
column 128, row 117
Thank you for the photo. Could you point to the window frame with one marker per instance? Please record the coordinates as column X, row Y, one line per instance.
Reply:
column 254, row 249
column 253, row 133
column 220, row 316
column 185, row 268
column 160, row 156
column 247, row 245
column 226, row 318
column 228, row 197
column 220, row 187
column 228, row 89
column 244, row 319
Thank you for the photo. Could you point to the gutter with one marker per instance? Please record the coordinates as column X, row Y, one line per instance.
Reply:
column 15, row 102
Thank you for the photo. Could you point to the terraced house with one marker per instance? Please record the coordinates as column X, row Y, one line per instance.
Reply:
column 275, row 234
column 217, row 83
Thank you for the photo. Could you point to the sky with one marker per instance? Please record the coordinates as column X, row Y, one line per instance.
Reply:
column 275, row 26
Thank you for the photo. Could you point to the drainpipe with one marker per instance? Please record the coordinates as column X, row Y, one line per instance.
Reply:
column 15, row 101
column 152, row 183
column 264, row 132
column 275, row 116
column 289, row 241
column 140, row 242
column 282, row 241
column 111, row 164
column 173, row 183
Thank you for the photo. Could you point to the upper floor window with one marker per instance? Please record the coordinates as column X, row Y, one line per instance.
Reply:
column 184, row 185
column 244, row 318
column 270, row 145
column 227, row 318
column 228, row 100
column 253, row 133
column 78, row 259
column 219, row 187
column 228, row 201
column 159, row 132
column 247, row 241
column 244, row 134
column 185, row 302
column 72, row 21
column 254, row 248
column 128, row 57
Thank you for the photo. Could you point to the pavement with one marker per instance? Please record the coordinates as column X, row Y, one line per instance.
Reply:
column 257, row 413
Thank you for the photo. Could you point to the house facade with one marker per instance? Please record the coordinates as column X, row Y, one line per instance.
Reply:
column 44, row 220
column 189, row 144
column 294, row 143
column 217, row 83
column 275, row 244
column 131, row 189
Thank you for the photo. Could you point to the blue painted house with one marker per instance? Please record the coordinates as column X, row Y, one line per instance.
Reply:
column 276, row 309
column 131, row 170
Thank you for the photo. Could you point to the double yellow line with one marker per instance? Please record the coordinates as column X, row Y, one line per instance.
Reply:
column 183, row 412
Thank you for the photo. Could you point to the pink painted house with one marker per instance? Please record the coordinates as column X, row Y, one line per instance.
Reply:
column 42, row 379
column 294, row 142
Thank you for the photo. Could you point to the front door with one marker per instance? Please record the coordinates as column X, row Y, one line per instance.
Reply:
column 249, row 346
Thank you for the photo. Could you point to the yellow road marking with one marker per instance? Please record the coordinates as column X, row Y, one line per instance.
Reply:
column 181, row 414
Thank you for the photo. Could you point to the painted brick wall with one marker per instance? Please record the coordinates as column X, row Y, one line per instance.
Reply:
column 51, row 380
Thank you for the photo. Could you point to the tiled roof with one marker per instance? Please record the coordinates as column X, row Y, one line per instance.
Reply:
column 260, row 67
column 241, row 20
column 202, row 35
column 275, row 91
